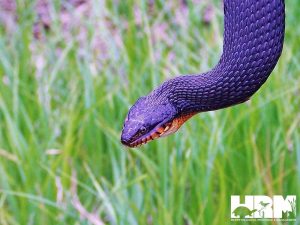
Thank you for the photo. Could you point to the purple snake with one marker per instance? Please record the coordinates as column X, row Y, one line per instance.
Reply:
column 253, row 41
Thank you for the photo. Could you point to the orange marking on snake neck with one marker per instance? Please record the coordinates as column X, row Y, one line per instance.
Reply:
column 176, row 124
column 181, row 120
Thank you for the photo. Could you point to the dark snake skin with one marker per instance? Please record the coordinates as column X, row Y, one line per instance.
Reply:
column 253, row 41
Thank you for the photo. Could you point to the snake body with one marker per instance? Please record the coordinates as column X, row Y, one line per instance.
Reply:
column 253, row 42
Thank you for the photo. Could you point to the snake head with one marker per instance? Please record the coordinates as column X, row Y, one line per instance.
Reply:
column 148, row 120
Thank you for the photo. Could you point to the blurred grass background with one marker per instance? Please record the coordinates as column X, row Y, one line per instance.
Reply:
column 70, row 70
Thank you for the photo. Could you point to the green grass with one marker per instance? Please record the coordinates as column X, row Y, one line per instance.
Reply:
column 63, row 100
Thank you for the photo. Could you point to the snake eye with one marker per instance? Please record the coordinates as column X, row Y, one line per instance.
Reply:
column 143, row 129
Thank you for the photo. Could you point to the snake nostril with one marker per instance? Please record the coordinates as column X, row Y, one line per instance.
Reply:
column 125, row 140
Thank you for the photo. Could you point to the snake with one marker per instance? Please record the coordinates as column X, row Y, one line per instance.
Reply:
column 253, row 42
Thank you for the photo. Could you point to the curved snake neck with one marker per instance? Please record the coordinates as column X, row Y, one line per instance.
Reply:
column 253, row 41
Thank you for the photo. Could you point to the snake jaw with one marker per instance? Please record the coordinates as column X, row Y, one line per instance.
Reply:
column 154, row 134
column 162, row 130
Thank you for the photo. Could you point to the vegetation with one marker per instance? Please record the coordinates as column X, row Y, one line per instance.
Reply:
column 70, row 70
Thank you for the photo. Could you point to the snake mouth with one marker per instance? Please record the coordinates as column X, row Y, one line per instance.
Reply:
column 157, row 132
column 161, row 130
